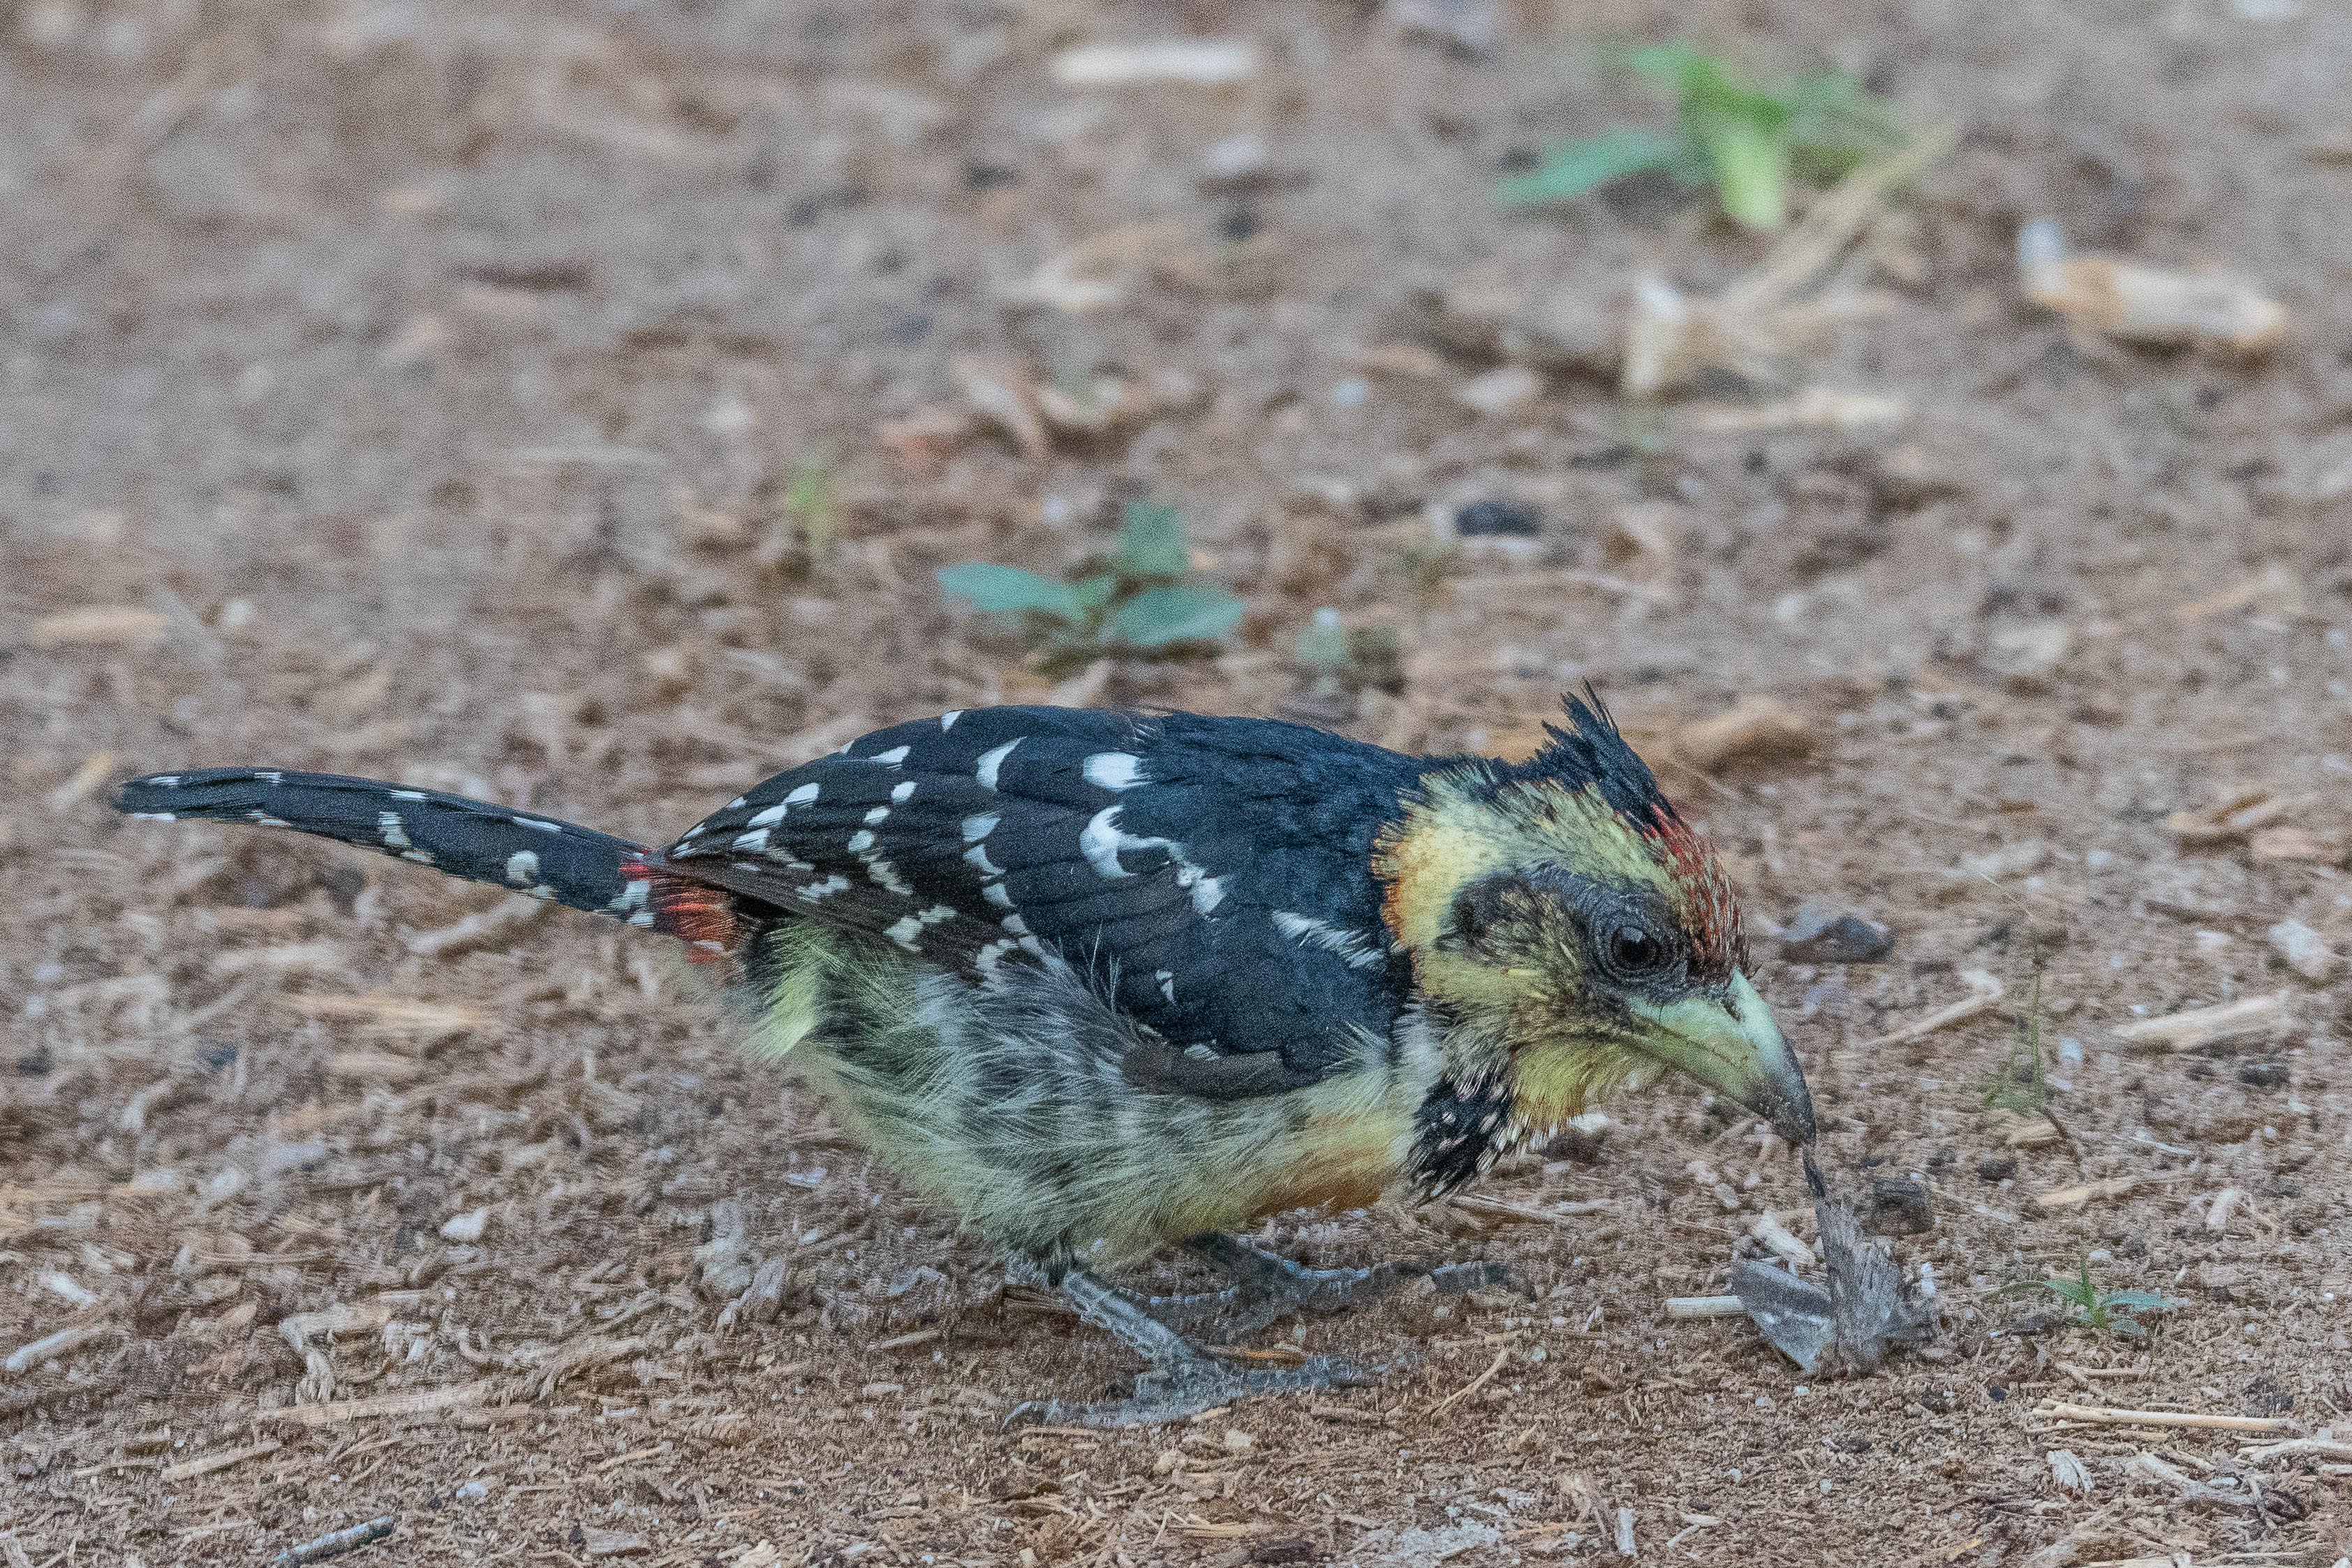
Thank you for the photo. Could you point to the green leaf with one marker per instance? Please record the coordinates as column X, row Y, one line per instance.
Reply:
column 1094, row 590
column 2138, row 1301
column 1182, row 613
column 1570, row 170
column 2126, row 1328
column 1323, row 643
column 1152, row 541
column 1009, row 591
column 1751, row 170
column 2065, row 1289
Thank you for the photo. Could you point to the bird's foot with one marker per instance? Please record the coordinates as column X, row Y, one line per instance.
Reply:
column 1184, row 1380
column 1271, row 1287
column 1175, row 1389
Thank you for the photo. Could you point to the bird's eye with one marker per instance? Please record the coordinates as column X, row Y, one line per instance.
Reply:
column 1635, row 952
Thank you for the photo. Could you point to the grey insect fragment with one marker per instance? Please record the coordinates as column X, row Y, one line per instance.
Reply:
column 1851, row 1324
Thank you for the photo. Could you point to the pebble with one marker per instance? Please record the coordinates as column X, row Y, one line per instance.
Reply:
column 1500, row 392
column 2304, row 951
column 1899, row 1204
column 1823, row 933
column 1497, row 517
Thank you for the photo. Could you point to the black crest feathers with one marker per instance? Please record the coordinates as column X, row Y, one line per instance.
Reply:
column 1593, row 750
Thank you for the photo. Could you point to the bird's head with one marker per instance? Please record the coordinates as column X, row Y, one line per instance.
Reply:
column 1575, row 936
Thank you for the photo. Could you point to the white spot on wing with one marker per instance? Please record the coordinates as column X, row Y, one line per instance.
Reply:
column 767, row 818
column 992, row 762
column 995, row 894
column 891, row 758
column 803, row 794
column 814, row 890
column 900, row 793
column 1114, row 770
column 976, row 828
column 1100, row 841
column 534, row 822
column 1351, row 947
column 164, row 781
column 947, row 719
column 978, row 857
column 395, row 836
column 1167, row 984
column 757, row 839
column 878, row 816
column 408, row 795
column 152, row 816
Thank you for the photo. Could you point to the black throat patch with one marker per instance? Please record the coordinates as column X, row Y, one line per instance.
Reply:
column 1457, row 1132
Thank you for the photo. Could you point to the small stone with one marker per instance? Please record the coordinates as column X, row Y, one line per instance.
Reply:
column 1497, row 518
column 473, row 1491
column 1236, row 163
column 2218, row 1275
column 2027, row 656
column 2263, row 1075
column 1899, row 1205
column 466, row 1227
column 1471, row 28
column 1500, row 392
column 2303, row 950
column 1823, row 933
column 2008, row 860
column 1999, row 1169
column 599, row 1543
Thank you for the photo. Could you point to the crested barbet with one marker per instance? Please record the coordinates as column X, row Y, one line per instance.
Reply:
column 1102, row 982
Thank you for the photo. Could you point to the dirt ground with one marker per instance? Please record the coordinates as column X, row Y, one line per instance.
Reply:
column 441, row 392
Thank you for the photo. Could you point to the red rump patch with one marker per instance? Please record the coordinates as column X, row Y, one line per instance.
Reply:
column 1710, row 913
column 701, row 916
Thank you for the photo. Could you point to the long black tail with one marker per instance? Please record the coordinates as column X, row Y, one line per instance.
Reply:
column 469, row 838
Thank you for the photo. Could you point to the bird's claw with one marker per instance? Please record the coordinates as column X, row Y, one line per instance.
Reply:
column 1179, row 1389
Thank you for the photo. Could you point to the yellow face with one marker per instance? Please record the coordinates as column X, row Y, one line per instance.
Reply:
column 1577, row 955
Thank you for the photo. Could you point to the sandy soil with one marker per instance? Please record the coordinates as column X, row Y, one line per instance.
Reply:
column 417, row 389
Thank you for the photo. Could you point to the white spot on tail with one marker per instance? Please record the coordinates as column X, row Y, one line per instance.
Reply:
column 164, row 781
column 1114, row 770
column 978, row 857
column 642, row 918
column 408, row 795
column 152, row 816
column 522, row 868
column 534, row 822
column 976, row 828
column 992, row 762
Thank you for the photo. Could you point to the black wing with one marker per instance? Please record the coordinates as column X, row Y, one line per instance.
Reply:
column 1213, row 874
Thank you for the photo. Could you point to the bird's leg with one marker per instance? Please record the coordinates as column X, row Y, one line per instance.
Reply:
column 1184, row 1380
column 1268, row 1286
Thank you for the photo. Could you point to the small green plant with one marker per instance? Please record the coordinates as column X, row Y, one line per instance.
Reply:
column 2021, row 1082
column 808, row 502
column 1139, row 598
column 2101, row 1311
column 1337, row 660
column 1747, row 140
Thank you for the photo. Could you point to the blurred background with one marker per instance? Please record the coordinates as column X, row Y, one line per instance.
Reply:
column 1928, row 426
